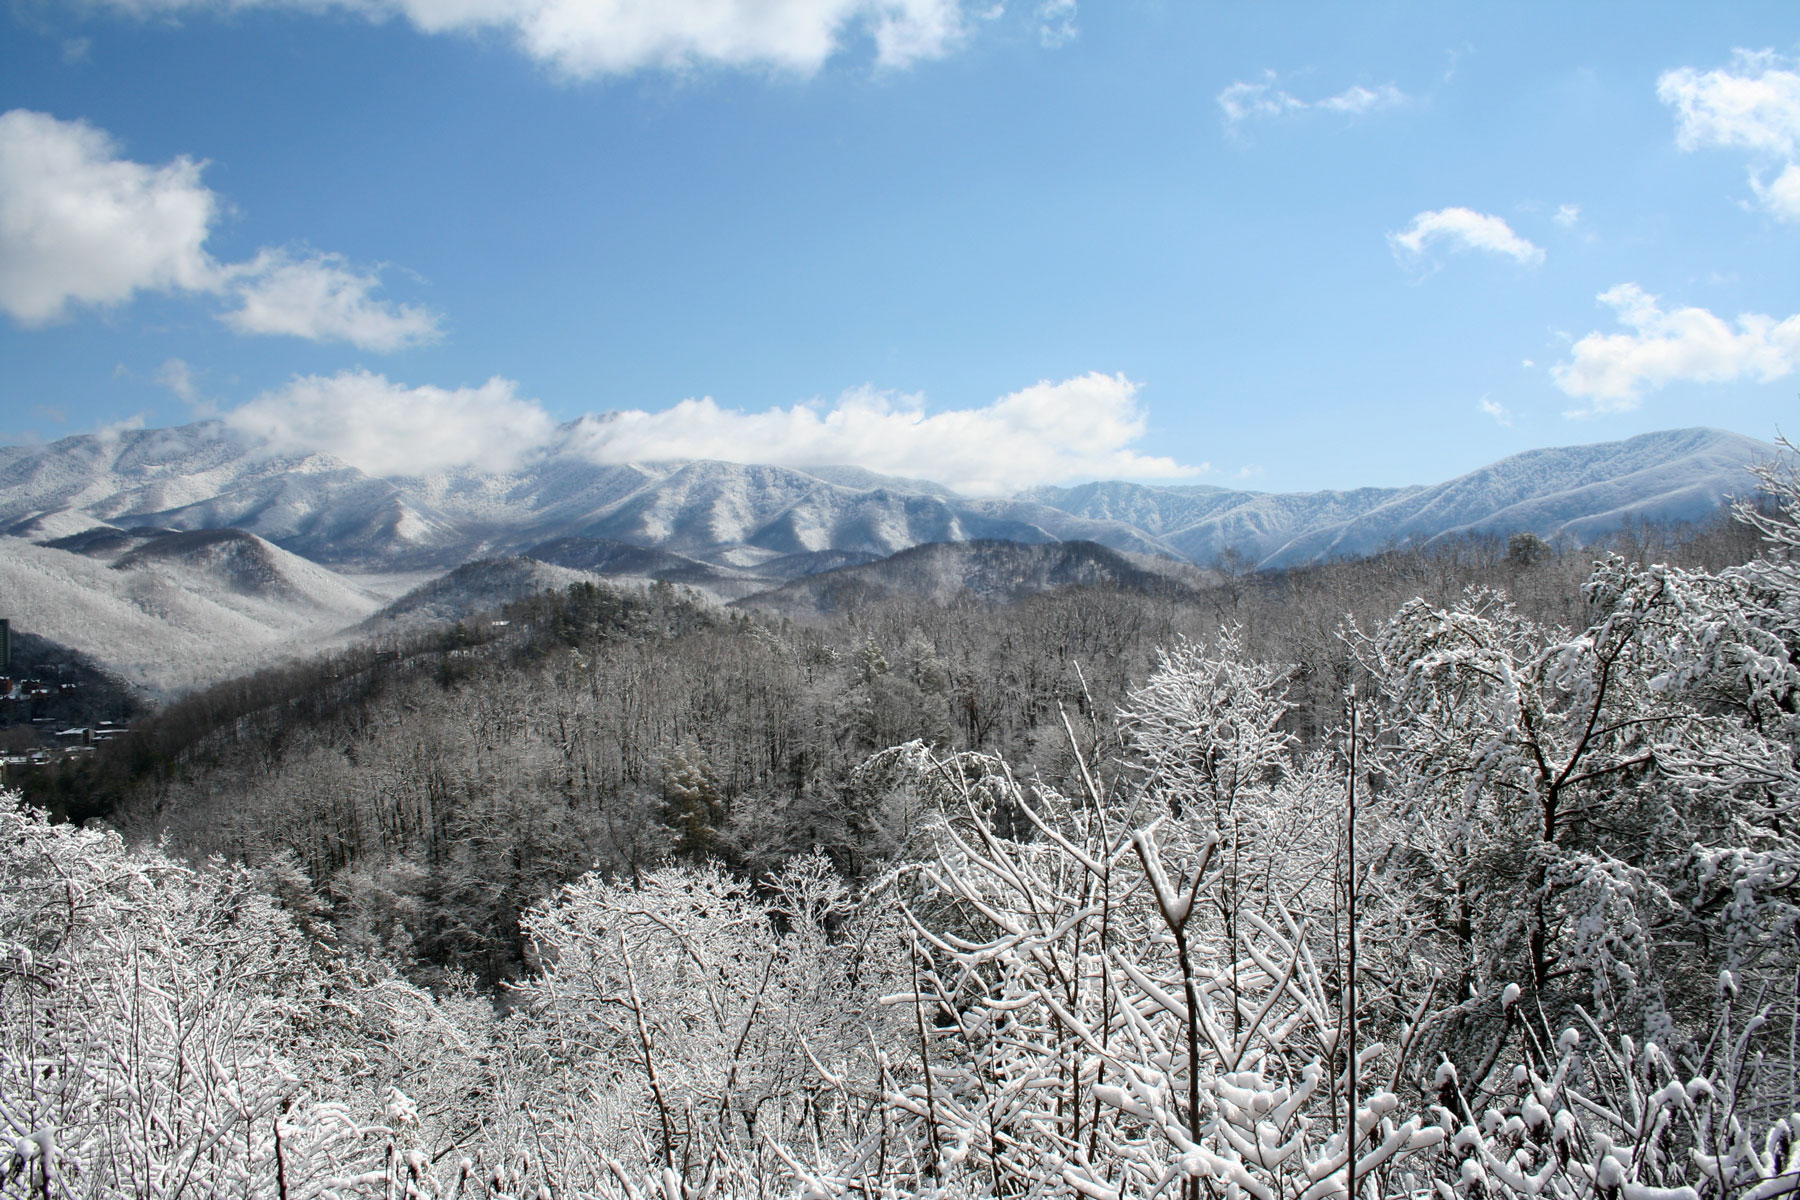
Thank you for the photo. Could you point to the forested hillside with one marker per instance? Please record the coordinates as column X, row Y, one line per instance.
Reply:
column 435, row 785
column 1063, row 897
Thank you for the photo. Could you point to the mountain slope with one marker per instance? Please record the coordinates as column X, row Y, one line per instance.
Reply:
column 230, row 561
column 943, row 572
column 477, row 587
column 1568, row 494
column 209, row 476
column 1575, row 493
column 179, row 615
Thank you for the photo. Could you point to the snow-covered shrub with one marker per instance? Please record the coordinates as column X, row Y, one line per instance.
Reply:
column 1087, row 1022
column 694, row 1024
column 169, row 1032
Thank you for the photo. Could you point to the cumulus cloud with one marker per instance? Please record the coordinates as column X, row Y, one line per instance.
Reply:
column 1462, row 229
column 1567, row 215
column 322, row 298
column 584, row 39
column 1050, row 432
column 1611, row 371
column 1502, row 415
column 1080, row 428
column 388, row 429
column 81, row 225
column 1754, row 106
column 1265, row 99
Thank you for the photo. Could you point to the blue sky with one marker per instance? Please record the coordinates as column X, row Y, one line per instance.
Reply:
column 1285, row 246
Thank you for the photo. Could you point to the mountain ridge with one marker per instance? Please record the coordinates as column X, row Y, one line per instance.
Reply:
column 1572, row 493
column 735, row 516
column 180, row 554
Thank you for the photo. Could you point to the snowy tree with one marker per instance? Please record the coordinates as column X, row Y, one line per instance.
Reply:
column 694, row 1025
column 166, row 1031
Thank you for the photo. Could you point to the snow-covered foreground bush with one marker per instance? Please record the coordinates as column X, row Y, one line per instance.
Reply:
column 1092, row 1026
column 1066, row 1020
column 166, row 1031
column 1527, row 926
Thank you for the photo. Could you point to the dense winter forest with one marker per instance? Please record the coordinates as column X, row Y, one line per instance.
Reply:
column 1469, row 873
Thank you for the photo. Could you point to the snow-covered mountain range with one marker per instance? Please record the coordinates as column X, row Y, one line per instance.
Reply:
column 1573, row 493
column 179, row 554
column 209, row 476
column 737, row 517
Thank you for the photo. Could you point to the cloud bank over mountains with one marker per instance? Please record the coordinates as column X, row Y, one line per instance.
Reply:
column 82, row 226
column 1081, row 428
column 389, row 429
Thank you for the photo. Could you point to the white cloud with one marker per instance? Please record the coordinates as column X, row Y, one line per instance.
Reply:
column 911, row 31
column 178, row 377
column 322, row 298
column 1080, row 428
column 1567, row 215
column 1781, row 197
column 1083, row 427
column 1453, row 60
column 110, row 433
column 1242, row 101
column 1495, row 409
column 386, row 428
column 82, row 226
column 1358, row 100
column 1612, row 371
column 1056, row 23
column 1754, row 105
column 583, row 38
column 1462, row 229
column 1266, row 99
